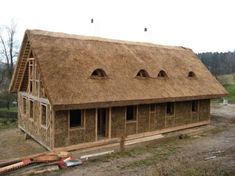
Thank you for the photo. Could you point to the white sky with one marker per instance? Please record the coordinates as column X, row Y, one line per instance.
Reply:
column 203, row 25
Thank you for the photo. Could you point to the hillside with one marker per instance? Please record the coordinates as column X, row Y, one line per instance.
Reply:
column 226, row 79
column 219, row 63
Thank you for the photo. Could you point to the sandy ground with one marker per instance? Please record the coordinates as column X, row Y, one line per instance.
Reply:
column 209, row 153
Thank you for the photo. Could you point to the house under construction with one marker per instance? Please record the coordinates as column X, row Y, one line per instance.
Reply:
column 75, row 89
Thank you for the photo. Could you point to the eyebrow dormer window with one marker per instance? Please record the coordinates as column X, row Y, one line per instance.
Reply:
column 162, row 74
column 142, row 74
column 191, row 74
column 98, row 73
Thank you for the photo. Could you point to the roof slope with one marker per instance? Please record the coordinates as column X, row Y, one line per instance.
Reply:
column 67, row 61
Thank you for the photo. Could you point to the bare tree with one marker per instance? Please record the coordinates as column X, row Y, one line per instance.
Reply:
column 8, row 52
column 8, row 46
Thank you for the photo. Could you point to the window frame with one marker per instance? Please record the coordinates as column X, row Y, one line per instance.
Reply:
column 134, row 113
column 24, row 105
column 171, row 108
column 143, row 74
column 162, row 74
column 152, row 107
column 98, row 73
column 31, row 109
column 81, row 119
column 191, row 74
column 195, row 106
column 41, row 114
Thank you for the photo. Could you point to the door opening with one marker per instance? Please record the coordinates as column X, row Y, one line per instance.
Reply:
column 102, row 123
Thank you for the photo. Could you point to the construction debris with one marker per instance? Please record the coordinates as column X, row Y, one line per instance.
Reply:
column 211, row 157
column 86, row 157
column 69, row 162
column 40, row 163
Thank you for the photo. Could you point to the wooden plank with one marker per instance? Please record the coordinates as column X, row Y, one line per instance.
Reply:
column 87, row 145
column 144, row 139
column 167, row 130
column 96, row 154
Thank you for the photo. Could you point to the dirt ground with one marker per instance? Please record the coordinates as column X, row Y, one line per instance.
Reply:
column 13, row 144
column 209, row 153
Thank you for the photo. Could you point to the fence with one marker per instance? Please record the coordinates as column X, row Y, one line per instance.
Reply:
column 9, row 115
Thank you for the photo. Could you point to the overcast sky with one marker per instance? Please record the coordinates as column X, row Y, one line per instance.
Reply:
column 203, row 25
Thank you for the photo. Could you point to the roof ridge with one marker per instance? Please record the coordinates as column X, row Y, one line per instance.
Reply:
column 101, row 39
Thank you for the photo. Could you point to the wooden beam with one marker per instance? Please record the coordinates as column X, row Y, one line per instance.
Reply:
column 110, row 122
column 96, row 154
column 87, row 145
column 137, row 117
column 96, row 116
column 41, row 100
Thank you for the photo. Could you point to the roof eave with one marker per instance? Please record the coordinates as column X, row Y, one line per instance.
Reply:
column 132, row 102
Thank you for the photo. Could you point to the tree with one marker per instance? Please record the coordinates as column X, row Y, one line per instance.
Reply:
column 8, row 53
column 8, row 46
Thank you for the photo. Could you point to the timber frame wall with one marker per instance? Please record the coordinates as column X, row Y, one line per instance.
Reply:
column 35, row 115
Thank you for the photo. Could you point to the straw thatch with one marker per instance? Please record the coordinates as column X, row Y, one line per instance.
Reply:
column 66, row 63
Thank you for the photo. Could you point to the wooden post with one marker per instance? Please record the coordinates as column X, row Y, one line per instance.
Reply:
column 110, row 123
column 122, row 144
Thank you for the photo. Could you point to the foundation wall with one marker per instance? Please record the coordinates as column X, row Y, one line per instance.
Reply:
column 148, row 118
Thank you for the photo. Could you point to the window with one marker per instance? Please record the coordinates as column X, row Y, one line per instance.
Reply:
column 24, row 105
column 30, row 86
column 152, row 107
column 98, row 73
column 169, row 108
column 195, row 106
column 142, row 73
column 31, row 107
column 130, row 113
column 162, row 74
column 191, row 74
column 75, row 118
column 43, row 115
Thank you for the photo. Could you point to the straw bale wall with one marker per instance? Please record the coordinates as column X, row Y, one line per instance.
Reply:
column 130, row 128
column 90, row 125
column 143, row 118
column 149, row 118
column 118, row 121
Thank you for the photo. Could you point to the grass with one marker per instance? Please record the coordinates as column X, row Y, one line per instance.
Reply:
column 153, row 153
column 7, row 123
column 12, row 109
column 231, row 90
column 231, row 97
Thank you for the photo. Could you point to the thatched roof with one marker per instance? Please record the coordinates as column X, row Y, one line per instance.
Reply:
column 66, row 63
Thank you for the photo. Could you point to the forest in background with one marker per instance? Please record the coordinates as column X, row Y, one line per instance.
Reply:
column 219, row 63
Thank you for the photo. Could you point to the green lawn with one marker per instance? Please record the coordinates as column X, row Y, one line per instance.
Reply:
column 231, row 90
column 12, row 109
